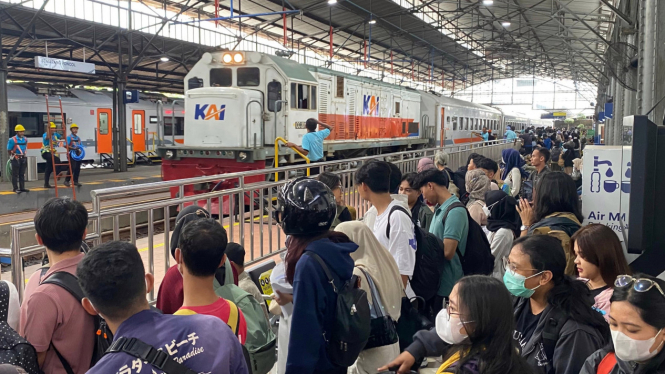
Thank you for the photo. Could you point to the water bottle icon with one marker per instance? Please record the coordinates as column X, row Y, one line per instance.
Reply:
column 595, row 181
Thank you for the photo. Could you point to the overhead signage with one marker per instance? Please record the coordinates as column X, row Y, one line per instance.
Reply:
column 553, row 115
column 42, row 62
column 559, row 114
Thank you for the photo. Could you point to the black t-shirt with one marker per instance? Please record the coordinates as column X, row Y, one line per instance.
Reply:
column 526, row 324
column 597, row 291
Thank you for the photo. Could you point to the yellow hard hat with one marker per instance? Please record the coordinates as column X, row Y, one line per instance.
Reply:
column 53, row 125
column 19, row 128
column 74, row 126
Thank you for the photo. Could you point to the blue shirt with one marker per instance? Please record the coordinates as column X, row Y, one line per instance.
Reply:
column 312, row 142
column 485, row 136
column 54, row 137
column 73, row 138
column 19, row 146
column 203, row 343
column 510, row 135
column 457, row 228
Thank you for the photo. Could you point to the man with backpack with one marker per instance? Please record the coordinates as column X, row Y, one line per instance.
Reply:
column 53, row 320
column 373, row 181
column 200, row 252
column 114, row 282
column 453, row 231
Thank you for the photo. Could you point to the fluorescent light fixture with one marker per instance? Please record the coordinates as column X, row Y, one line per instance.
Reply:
column 164, row 59
column 372, row 21
column 488, row 2
column 331, row 2
column 505, row 23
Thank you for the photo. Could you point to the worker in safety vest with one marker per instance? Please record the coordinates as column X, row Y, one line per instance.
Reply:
column 17, row 148
column 74, row 144
column 50, row 141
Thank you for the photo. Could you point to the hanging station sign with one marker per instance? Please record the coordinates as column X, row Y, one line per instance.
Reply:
column 42, row 62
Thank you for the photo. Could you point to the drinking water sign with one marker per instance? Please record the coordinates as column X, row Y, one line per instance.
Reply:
column 606, row 187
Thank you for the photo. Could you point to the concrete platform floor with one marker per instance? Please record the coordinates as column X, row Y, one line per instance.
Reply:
column 91, row 179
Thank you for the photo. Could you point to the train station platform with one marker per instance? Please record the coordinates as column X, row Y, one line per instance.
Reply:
column 91, row 179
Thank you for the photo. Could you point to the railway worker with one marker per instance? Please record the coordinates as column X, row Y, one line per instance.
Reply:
column 50, row 141
column 312, row 142
column 73, row 144
column 510, row 134
column 485, row 135
column 17, row 147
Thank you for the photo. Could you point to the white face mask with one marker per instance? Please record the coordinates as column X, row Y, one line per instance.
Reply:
column 447, row 327
column 629, row 349
column 487, row 211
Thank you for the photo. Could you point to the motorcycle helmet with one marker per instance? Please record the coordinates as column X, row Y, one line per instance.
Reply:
column 305, row 206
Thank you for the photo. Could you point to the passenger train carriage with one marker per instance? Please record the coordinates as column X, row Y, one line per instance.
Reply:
column 92, row 112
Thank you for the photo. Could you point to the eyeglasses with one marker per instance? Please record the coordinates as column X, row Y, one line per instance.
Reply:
column 640, row 285
column 509, row 266
column 446, row 306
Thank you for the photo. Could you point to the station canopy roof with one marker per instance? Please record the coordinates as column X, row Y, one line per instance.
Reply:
column 456, row 43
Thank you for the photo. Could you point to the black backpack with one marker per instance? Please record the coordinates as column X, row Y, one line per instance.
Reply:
column 478, row 258
column 352, row 320
column 14, row 349
column 430, row 259
column 103, row 335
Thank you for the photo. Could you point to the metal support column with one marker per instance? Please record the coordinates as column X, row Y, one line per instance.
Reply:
column 648, row 54
column 114, row 133
column 609, row 123
column 122, row 124
column 619, row 93
column 4, row 117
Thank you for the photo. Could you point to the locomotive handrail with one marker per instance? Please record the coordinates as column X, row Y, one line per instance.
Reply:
column 247, row 121
column 280, row 139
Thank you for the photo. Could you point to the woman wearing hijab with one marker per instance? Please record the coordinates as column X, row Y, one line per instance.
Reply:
column 513, row 171
column 170, row 296
column 425, row 163
column 374, row 260
column 477, row 184
column 503, row 224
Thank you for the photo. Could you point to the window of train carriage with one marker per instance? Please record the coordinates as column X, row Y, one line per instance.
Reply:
column 339, row 92
column 454, row 123
column 466, row 123
column 249, row 77
column 179, row 125
column 448, row 120
column 221, row 77
column 300, row 96
column 476, row 123
column 397, row 110
column 33, row 123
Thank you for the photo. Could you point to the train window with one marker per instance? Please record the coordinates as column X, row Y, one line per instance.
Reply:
column 312, row 104
column 476, row 121
column 194, row 82
column 340, row 87
column 32, row 122
column 466, row 123
column 249, row 77
column 454, row 123
column 448, row 120
column 300, row 96
column 138, row 123
column 221, row 77
column 274, row 94
column 397, row 109
column 179, row 126
column 103, row 123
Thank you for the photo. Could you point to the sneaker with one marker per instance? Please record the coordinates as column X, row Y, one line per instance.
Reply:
column 67, row 184
column 17, row 191
column 46, row 185
column 24, row 190
column 77, row 184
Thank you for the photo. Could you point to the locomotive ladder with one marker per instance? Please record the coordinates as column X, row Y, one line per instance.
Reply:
column 63, row 123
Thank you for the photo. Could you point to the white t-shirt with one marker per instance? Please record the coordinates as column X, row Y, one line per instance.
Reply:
column 402, row 242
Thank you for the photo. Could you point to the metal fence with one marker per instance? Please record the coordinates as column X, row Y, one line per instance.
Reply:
column 244, row 209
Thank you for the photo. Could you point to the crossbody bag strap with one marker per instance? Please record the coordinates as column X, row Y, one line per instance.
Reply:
column 63, row 361
column 445, row 216
column 159, row 359
column 318, row 259
column 394, row 208
column 377, row 305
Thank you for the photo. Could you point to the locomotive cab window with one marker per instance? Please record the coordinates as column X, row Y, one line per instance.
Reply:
column 194, row 82
column 249, row 77
column 274, row 94
column 303, row 96
column 222, row 77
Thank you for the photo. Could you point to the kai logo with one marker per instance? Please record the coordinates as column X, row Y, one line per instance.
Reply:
column 209, row 111
column 370, row 105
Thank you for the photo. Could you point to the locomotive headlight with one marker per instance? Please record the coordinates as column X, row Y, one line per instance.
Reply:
column 227, row 58
column 242, row 155
column 238, row 58
column 169, row 154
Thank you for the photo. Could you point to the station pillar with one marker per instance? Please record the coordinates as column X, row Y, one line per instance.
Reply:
column 4, row 118
column 122, row 125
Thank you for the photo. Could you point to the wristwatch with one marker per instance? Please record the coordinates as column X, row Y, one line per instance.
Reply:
column 524, row 228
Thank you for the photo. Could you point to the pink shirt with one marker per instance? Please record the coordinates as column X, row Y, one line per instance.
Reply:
column 50, row 314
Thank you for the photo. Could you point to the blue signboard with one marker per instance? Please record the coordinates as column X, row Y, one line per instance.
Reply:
column 609, row 108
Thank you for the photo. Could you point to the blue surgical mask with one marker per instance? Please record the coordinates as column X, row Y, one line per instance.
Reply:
column 515, row 284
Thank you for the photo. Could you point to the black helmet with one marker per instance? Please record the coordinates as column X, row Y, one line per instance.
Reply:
column 305, row 207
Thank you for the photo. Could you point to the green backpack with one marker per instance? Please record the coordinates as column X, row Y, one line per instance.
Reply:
column 261, row 342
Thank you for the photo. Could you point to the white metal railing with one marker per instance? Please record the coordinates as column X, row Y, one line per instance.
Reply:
column 244, row 208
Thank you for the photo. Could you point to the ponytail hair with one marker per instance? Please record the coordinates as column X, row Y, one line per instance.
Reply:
column 569, row 295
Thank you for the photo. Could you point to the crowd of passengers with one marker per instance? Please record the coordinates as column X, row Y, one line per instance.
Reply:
column 558, row 298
